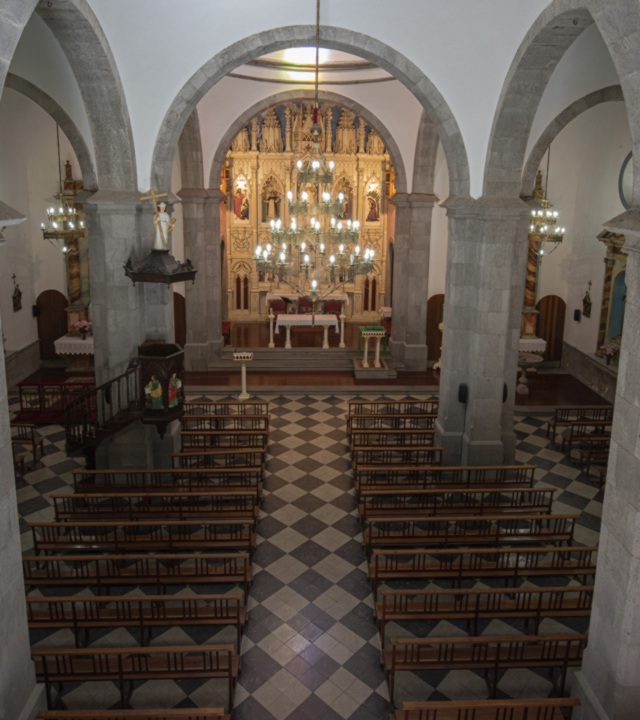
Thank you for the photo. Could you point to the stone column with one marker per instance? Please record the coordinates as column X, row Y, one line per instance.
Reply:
column 114, row 224
column 486, row 262
column 411, row 273
column 608, row 684
column 20, row 696
column 201, row 219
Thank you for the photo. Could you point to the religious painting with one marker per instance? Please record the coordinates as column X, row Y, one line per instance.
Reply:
column 241, row 200
column 343, row 191
column 372, row 208
column 271, row 200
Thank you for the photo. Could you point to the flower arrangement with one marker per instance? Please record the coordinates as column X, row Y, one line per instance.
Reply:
column 82, row 326
column 608, row 350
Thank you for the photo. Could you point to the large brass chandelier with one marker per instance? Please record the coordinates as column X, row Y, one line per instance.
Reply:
column 544, row 225
column 320, row 250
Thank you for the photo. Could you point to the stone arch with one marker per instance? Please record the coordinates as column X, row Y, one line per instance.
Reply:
column 190, row 150
column 424, row 164
column 613, row 93
column 387, row 137
column 82, row 40
column 14, row 15
column 550, row 36
column 268, row 41
column 68, row 127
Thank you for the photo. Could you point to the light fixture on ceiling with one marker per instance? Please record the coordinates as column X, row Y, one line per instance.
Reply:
column 63, row 223
column 544, row 227
column 319, row 251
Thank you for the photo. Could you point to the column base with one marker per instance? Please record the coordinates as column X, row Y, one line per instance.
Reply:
column 590, row 708
column 451, row 442
column 36, row 702
column 198, row 355
column 476, row 452
column 413, row 357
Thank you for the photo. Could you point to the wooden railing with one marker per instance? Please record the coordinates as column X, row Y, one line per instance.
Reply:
column 103, row 410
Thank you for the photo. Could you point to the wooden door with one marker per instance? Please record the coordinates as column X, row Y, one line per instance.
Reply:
column 550, row 325
column 52, row 322
column 435, row 313
column 179, row 319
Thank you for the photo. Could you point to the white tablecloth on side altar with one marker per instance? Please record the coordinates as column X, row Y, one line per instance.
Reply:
column 271, row 296
column 307, row 320
column 532, row 344
column 385, row 311
column 74, row 345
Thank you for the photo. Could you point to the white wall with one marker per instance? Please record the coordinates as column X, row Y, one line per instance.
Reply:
column 586, row 158
column 28, row 181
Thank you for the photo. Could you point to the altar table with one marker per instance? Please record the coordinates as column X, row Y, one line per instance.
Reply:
column 307, row 320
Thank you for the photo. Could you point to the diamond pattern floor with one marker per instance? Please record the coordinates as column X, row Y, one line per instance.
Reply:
column 311, row 649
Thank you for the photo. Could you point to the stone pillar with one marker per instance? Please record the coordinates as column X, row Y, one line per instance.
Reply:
column 201, row 218
column 608, row 684
column 123, row 315
column 20, row 696
column 486, row 262
column 411, row 274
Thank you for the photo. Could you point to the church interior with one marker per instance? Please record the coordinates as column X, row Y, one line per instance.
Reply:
column 335, row 290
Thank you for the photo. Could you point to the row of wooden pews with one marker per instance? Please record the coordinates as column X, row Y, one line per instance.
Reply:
column 426, row 525
column 189, row 529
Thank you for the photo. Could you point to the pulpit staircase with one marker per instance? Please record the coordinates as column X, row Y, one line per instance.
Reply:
column 102, row 411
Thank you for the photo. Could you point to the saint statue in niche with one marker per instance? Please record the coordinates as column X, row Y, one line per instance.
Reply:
column 270, row 202
column 374, row 213
column 237, row 202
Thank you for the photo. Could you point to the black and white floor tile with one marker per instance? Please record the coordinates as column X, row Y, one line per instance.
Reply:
column 311, row 648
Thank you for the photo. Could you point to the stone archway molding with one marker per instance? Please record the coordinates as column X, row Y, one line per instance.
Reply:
column 613, row 93
column 68, row 127
column 14, row 15
column 279, row 98
column 268, row 41
column 424, row 165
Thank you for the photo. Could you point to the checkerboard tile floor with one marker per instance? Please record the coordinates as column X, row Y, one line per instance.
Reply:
column 311, row 648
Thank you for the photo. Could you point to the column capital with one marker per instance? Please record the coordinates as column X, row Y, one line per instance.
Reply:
column 200, row 195
column 413, row 200
column 628, row 224
column 486, row 207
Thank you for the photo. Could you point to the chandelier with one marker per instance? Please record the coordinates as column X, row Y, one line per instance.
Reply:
column 63, row 223
column 544, row 225
column 320, row 250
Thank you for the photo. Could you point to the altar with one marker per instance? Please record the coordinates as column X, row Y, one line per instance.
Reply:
column 306, row 320
column 77, row 351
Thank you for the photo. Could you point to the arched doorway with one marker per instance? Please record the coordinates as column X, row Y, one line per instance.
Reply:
column 52, row 322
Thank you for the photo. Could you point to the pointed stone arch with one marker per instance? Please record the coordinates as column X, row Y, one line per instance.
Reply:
column 268, row 41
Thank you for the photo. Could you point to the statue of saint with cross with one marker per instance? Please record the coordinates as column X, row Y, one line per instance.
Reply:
column 162, row 222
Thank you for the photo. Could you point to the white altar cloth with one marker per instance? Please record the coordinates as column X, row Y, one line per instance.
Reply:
column 294, row 297
column 532, row 344
column 74, row 345
column 306, row 320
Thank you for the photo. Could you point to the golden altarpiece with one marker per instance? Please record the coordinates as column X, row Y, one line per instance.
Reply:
column 260, row 171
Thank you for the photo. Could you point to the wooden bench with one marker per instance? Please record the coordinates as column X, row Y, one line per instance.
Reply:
column 594, row 451
column 391, row 421
column 455, row 564
column 522, row 709
column 143, row 612
column 577, row 433
column 226, row 407
column 451, row 530
column 565, row 416
column 160, row 570
column 474, row 605
column 142, row 504
column 454, row 502
column 393, row 407
column 136, row 535
column 391, row 438
column 444, row 477
column 399, row 456
column 26, row 435
column 257, row 423
column 178, row 479
column 197, row 440
column 123, row 666
column 172, row 714
column 491, row 654
column 241, row 458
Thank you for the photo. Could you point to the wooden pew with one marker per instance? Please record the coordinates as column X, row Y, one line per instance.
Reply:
column 227, row 423
column 166, row 480
column 400, row 456
column 456, row 565
column 391, row 421
column 391, row 438
column 476, row 604
column 454, row 502
column 242, row 458
column 577, row 433
column 491, row 654
column 181, row 505
column 444, row 477
column 160, row 570
column 594, row 450
column 26, row 435
column 197, row 440
column 145, row 535
column 143, row 612
column 564, row 416
column 393, row 407
column 448, row 530
column 522, row 709
column 226, row 407
column 172, row 714
column 123, row 666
